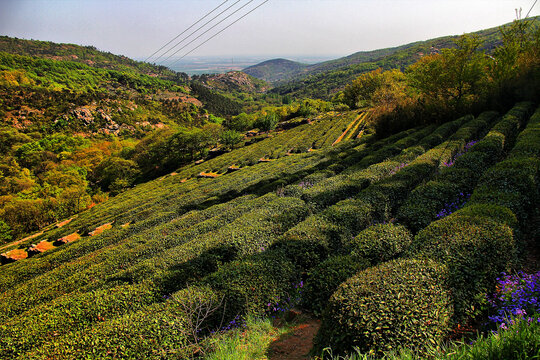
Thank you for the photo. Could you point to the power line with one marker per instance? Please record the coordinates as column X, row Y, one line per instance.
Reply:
column 199, row 36
column 183, row 32
column 531, row 9
column 219, row 32
column 193, row 32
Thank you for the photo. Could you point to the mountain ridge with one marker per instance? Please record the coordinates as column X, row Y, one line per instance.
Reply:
column 324, row 79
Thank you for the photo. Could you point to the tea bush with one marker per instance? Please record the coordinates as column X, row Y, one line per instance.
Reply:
column 324, row 279
column 248, row 285
column 379, row 243
column 401, row 303
column 475, row 250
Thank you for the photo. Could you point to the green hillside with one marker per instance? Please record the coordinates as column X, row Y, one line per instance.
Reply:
column 87, row 55
column 325, row 79
column 400, row 220
column 241, row 239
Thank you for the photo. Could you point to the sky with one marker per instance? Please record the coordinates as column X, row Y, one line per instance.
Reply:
column 137, row 28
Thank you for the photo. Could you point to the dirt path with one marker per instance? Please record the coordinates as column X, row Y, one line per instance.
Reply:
column 296, row 344
column 20, row 241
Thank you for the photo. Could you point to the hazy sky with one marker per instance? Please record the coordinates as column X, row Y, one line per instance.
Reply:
column 137, row 28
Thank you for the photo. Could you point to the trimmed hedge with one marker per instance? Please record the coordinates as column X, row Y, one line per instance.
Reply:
column 379, row 243
column 401, row 303
column 325, row 278
column 512, row 183
column 249, row 285
column 494, row 212
column 157, row 332
column 424, row 201
column 459, row 180
column 475, row 250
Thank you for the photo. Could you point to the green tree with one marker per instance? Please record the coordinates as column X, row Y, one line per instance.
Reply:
column 452, row 79
column 113, row 168
column 230, row 138
column 5, row 232
column 241, row 122
column 267, row 122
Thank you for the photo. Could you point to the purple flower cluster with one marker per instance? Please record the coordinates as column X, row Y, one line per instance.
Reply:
column 235, row 323
column 282, row 305
column 397, row 168
column 453, row 206
column 466, row 148
column 516, row 296
column 305, row 184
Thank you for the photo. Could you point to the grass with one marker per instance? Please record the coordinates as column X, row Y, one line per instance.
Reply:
column 521, row 341
column 246, row 343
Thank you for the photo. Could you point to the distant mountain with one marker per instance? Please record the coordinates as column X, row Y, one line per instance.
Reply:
column 324, row 79
column 275, row 70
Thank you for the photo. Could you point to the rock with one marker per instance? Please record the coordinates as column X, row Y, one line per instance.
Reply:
column 83, row 114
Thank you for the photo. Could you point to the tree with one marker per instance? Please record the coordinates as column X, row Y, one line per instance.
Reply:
column 113, row 168
column 452, row 79
column 5, row 232
column 230, row 138
column 241, row 122
column 267, row 122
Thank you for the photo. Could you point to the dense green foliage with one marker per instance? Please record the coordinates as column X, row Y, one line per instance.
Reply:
column 315, row 207
column 475, row 250
column 380, row 243
column 325, row 278
column 398, row 303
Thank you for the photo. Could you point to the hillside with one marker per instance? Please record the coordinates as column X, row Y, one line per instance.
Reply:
column 143, row 217
column 233, row 81
column 275, row 70
column 117, row 278
column 87, row 55
column 325, row 79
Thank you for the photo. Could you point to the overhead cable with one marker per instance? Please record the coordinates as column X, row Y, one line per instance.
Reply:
column 193, row 32
column 199, row 36
column 183, row 32
column 219, row 32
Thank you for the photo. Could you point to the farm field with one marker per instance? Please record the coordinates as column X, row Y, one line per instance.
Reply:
column 128, row 277
column 391, row 215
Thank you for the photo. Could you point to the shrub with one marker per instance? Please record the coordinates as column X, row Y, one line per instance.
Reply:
column 528, row 143
column 351, row 216
column 249, row 285
column 464, row 179
column 159, row 331
column 511, row 183
column 326, row 277
column 475, row 250
column 398, row 303
column 379, row 243
column 424, row 202
column 494, row 212
column 309, row 242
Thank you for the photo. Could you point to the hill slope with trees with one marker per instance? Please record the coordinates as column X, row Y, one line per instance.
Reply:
column 391, row 215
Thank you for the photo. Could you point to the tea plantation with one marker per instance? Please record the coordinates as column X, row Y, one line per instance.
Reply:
column 393, row 242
